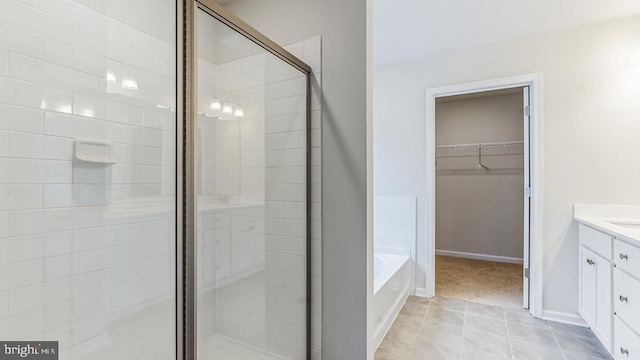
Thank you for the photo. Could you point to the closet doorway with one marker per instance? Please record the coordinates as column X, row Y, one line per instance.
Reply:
column 479, row 203
column 480, row 241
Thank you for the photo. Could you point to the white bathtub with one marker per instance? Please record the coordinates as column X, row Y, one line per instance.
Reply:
column 390, row 290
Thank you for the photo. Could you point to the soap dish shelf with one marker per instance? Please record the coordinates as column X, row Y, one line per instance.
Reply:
column 93, row 151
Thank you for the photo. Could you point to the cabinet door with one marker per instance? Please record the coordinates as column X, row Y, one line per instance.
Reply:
column 595, row 299
column 587, row 297
column 604, row 302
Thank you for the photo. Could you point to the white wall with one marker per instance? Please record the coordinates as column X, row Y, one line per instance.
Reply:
column 480, row 211
column 591, row 77
column 342, row 26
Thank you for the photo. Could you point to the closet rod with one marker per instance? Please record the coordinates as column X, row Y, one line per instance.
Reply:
column 477, row 145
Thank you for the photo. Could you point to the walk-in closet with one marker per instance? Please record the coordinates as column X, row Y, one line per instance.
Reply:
column 480, row 201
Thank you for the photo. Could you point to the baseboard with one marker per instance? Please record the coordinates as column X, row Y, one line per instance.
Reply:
column 421, row 292
column 564, row 318
column 466, row 255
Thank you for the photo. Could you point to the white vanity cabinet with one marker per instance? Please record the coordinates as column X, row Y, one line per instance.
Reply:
column 626, row 300
column 627, row 346
column 609, row 295
column 595, row 288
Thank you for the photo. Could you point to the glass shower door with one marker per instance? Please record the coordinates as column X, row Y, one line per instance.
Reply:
column 251, row 198
column 87, row 177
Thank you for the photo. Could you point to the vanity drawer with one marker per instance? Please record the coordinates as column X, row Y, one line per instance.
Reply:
column 597, row 241
column 626, row 298
column 627, row 257
column 627, row 345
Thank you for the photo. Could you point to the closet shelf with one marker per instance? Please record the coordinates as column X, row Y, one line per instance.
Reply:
column 473, row 150
column 498, row 156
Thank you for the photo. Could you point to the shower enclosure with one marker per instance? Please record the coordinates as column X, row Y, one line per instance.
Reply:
column 154, row 164
column 246, row 130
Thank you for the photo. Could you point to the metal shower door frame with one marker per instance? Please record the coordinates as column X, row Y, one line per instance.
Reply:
column 186, row 282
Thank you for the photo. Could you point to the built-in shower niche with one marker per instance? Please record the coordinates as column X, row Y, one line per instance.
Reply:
column 92, row 172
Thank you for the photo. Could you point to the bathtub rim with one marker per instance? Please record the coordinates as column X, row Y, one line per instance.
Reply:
column 402, row 264
column 391, row 267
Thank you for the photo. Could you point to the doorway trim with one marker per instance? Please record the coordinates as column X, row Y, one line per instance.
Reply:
column 534, row 82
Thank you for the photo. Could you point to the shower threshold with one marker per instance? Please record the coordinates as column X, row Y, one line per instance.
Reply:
column 223, row 347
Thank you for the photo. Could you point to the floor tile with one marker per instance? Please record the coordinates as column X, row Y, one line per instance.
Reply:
column 408, row 322
column 419, row 300
column 485, row 310
column 424, row 350
column 389, row 350
column 435, row 331
column 487, row 325
column 414, row 309
column 522, row 316
column 400, row 338
column 533, row 334
column 580, row 356
column 576, row 341
column 405, row 325
column 524, row 350
column 437, row 341
column 479, row 355
column 485, row 342
column 450, row 329
column 439, row 315
column 449, row 304
column 571, row 329
column 579, row 343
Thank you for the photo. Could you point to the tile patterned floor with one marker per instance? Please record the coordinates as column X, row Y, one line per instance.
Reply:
column 444, row 329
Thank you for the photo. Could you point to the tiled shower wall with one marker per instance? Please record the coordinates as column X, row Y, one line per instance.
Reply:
column 87, row 250
column 395, row 219
column 288, row 140
column 252, row 255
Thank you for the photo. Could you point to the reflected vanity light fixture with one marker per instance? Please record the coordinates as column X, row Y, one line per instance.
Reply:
column 88, row 112
column 238, row 112
column 164, row 107
column 111, row 76
column 215, row 104
column 129, row 82
column 227, row 108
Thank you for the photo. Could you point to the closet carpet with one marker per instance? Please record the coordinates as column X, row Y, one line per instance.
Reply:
column 485, row 282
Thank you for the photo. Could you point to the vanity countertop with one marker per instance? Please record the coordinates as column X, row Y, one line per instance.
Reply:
column 622, row 221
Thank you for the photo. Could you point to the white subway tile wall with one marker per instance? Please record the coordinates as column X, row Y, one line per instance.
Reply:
column 87, row 250
column 395, row 224
column 252, row 206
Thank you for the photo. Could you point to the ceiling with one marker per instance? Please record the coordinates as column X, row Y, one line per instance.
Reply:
column 405, row 30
